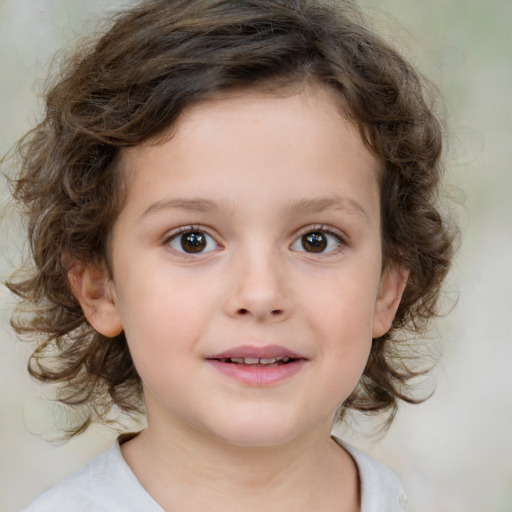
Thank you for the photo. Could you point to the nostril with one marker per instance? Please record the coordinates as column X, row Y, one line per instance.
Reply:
column 261, row 314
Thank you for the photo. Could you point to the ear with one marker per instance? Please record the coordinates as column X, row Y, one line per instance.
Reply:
column 391, row 287
column 96, row 294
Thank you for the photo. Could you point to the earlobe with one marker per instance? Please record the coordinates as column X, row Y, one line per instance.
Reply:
column 96, row 295
column 391, row 288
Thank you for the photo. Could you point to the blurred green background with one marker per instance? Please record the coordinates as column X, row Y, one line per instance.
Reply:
column 453, row 453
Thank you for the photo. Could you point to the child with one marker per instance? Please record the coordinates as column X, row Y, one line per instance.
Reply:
column 232, row 214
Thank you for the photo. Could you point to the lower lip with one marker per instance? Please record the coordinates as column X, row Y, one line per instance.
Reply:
column 258, row 375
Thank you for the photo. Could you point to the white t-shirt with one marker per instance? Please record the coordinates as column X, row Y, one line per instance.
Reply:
column 107, row 484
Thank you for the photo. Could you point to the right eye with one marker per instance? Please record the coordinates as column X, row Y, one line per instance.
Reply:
column 192, row 242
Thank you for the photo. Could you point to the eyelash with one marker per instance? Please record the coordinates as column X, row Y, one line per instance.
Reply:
column 174, row 235
column 324, row 230
column 308, row 230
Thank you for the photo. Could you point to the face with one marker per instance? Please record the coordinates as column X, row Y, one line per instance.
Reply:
column 247, row 268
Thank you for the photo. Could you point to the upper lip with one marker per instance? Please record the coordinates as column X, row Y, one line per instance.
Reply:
column 263, row 352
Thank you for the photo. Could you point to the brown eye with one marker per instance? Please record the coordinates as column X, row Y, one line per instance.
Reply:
column 314, row 242
column 193, row 242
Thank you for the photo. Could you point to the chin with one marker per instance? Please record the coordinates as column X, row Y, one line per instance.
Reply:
column 258, row 440
column 258, row 433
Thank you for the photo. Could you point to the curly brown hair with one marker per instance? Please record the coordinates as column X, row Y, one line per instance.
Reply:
column 132, row 84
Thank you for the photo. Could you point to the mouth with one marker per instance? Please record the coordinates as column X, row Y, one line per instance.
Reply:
column 258, row 366
column 258, row 361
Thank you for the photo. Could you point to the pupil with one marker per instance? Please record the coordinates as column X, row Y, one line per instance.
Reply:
column 193, row 242
column 314, row 242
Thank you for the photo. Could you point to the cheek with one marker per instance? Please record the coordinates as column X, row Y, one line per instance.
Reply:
column 341, row 318
column 161, row 338
column 162, row 319
column 343, row 306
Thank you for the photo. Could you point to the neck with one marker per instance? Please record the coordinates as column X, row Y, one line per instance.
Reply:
column 183, row 468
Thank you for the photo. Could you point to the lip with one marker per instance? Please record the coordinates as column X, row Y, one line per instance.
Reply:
column 267, row 351
column 257, row 375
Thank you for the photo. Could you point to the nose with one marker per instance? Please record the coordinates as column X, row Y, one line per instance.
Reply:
column 259, row 289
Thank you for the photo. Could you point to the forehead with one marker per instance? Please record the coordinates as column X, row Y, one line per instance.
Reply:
column 233, row 143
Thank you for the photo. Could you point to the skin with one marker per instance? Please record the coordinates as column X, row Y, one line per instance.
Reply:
column 254, row 174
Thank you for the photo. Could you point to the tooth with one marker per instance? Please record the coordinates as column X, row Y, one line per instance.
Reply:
column 286, row 359
column 268, row 361
column 239, row 360
column 251, row 360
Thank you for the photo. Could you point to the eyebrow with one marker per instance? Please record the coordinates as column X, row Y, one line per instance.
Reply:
column 313, row 205
column 189, row 205
column 318, row 205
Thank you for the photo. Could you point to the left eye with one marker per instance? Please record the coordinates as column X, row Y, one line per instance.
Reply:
column 317, row 242
column 193, row 242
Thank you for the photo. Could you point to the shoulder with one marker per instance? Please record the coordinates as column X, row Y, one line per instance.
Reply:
column 381, row 490
column 106, row 483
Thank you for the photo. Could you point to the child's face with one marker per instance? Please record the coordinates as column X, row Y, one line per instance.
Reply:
column 254, row 232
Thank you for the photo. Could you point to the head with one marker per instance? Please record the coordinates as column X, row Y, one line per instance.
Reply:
column 133, row 86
